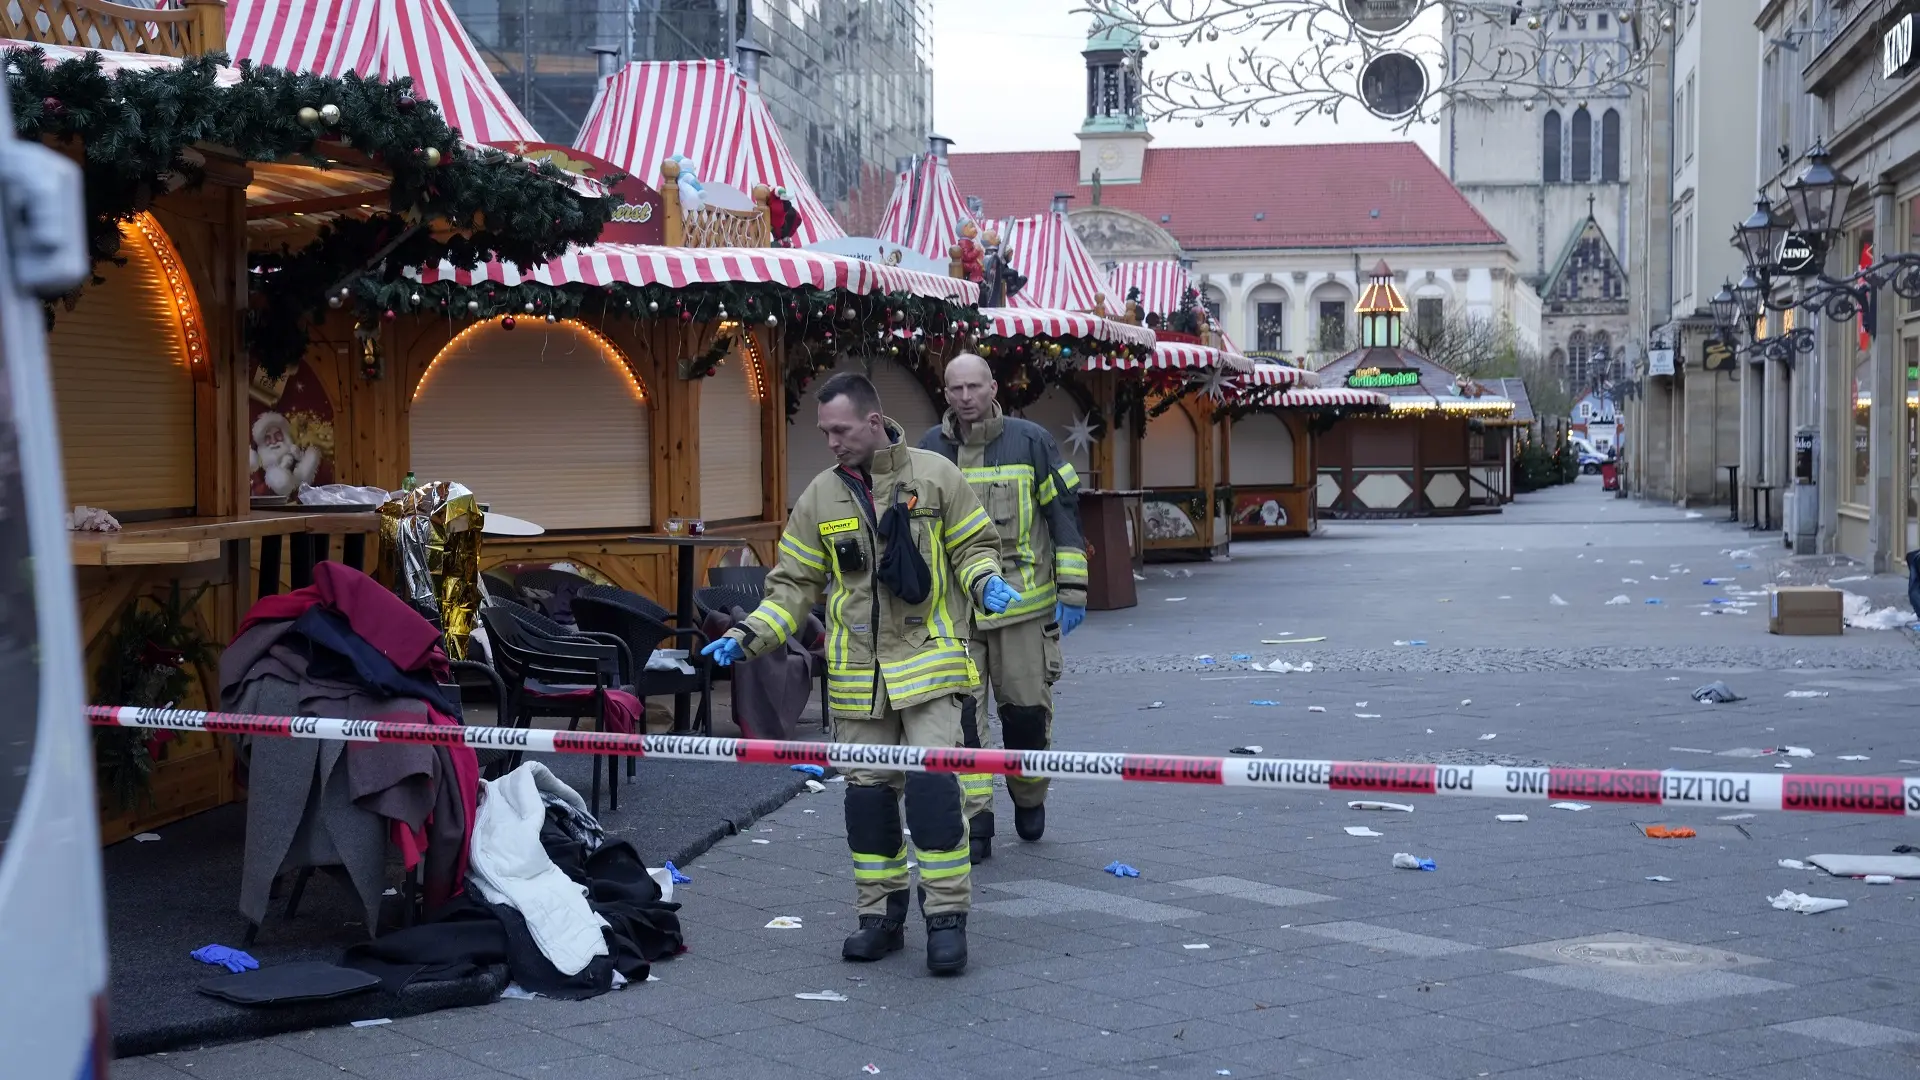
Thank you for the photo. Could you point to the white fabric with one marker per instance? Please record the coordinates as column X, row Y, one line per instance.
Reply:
column 509, row 866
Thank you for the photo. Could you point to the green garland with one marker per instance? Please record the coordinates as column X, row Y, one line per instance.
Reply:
column 150, row 661
column 138, row 129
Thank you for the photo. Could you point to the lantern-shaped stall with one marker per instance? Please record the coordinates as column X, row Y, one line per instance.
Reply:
column 1430, row 451
column 1274, row 426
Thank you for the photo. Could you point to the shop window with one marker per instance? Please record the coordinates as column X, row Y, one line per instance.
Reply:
column 1333, row 325
column 1862, row 476
column 1550, row 147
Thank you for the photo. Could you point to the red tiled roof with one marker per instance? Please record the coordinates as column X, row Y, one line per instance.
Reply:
column 1311, row 196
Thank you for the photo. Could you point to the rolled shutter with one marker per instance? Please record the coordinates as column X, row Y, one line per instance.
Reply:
column 904, row 397
column 1262, row 450
column 1170, row 457
column 1056, row 411
column 807, row 455
column 729, row 442
column 542, row 422
column 122, row 390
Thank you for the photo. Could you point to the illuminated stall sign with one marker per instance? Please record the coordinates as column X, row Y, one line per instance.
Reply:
column 1374, row 378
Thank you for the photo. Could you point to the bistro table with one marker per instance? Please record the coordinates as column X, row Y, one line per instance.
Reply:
column 683, row 599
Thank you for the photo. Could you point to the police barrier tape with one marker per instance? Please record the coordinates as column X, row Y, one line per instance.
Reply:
column 1748, row 791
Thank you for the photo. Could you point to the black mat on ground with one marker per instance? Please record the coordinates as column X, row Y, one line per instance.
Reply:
column 168, row 897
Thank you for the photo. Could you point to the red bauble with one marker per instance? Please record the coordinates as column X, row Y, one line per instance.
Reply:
column 53, row 106
column 831, row 310
column 686, row 316
column 405, row 102
column 506, row 323
column 389, row 315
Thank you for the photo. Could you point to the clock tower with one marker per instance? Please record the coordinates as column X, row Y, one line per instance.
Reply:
column 1114, row 137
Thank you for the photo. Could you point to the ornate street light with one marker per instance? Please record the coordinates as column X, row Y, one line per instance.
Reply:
column 1759, row 237
column 1750, row 294
column 1818, row 196
column 1725, row 308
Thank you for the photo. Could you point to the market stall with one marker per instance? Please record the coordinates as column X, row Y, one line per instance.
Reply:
column 1274, row 426
column 1427, row 454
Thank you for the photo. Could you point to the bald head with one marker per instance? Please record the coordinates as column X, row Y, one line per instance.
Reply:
column 970, row 388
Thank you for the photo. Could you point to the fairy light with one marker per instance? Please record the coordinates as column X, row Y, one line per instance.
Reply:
column 180, row 294
column 1452, row 408
column 756, row 360
column 613, row 353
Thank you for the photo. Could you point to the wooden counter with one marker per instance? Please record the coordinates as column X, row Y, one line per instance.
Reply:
column 177, row 541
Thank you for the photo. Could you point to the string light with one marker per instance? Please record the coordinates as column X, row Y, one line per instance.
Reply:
column 180, row 294
column 1500, row 407
column 612, row 352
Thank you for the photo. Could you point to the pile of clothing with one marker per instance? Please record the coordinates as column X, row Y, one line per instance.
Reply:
column 346, row 647
column 570, row 913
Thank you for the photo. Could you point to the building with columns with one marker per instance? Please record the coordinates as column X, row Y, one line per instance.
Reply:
column 1278, row 238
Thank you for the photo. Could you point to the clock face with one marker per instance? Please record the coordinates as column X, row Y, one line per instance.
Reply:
column 1110, row 156
column 1392, row 85
column 1382, row 16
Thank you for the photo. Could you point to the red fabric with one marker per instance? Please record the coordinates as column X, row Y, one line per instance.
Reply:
column 382, row 619
column 625, row 712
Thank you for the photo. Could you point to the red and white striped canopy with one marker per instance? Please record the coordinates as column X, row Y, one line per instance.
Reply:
column 931, row 226
column 1060, row 273
column 635, row 264
column 702, row 109
column 1161, row 283
column 1320, row 397
column 1176, row 355
column 1034, row 322
column 1275, row 375
column 896, row 221
column 385, row 39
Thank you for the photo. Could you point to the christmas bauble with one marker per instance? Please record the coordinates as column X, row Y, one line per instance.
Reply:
column 773, row 320
column 654, row 307
column 334, row 302
column 404, row 102
column 433, row 155
column 309, row 116
column 529, row 307
column 330, row 115
column 389, row 314
column 507, row 323
column 414, row 299
column 473, row 307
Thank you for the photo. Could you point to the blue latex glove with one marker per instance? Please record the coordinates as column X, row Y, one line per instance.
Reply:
column 724, row 651
column 1068, row 617
column 999, row 596
column 232, row 959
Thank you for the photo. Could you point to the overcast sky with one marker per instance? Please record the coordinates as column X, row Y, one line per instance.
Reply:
column 1008, row 75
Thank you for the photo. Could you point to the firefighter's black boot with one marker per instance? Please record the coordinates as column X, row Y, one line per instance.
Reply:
column 880, row 934
column 980, row 836
column 947, row 943
column 1030, row 821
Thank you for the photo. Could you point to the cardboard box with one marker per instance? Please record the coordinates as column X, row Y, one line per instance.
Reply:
column 1806, row 612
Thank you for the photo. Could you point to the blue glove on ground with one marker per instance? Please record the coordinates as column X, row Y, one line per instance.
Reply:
column 724, row 651
column 999, row 596
column 232, row 959
column 1068, row 617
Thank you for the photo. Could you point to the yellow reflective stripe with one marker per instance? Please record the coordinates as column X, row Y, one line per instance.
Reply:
column 968, row 528
column 1070, row 567
column 979, row 568
column 976, row 783
column 877, row 867
column 961, row 679
column 951, row 654
column 939, row 615
column 811, row 557
column 776, row 617
column 986, row 474
column 1041, row 598
column 1067, row 474
column 935, row 865
column 1023, row 546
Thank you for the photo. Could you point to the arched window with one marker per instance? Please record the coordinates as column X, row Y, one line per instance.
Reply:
column 1577, row 357
column 1610, row 145
column 1582, row 145
column 1550, row 147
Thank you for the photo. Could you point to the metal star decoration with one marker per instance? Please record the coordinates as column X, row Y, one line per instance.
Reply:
column 1080, row 435
column 1217, row 383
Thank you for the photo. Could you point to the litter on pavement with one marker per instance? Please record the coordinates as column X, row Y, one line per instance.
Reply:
column 1369, row 804
column 1900, row 866
column 1619, row 600
column 1415, row 641
column 1246, row 751
column 784, row 922
column 1366, row 716
column 1853, row 757
column 1804, row 904
column 1291, row 641
column 1556, row 601
column 1155, row 705
column 870, row 1069
column 1316, row 708
column 1464, row 702
column 1655, row 600
column 1783, row 764
column 1734, row 817
column 1404, row 861
column 674, row 875
column 1571, row 806
column 1361, row 830
column 1717, row 693
column 1793, row 864
column 810, row 770
column 145, row 837
column 1510, row 818
column 1659, row 877
column 822, row 995
column 1489, row 737
column 1205, row 659
column 1857, row 611
column 1263, row 702
column 1807, row 693
column 1667, row 832
column 1241, row 657
column 1796, row 751
column 1282, row 667
column 1879, row 879
column 1202, row 945
column 1120, row 869
column 1170, row 600
column 371, row 1023
column 816, row 786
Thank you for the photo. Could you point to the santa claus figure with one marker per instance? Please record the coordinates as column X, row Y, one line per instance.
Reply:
column 279, row 464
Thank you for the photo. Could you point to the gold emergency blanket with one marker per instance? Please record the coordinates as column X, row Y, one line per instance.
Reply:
column 431, row 538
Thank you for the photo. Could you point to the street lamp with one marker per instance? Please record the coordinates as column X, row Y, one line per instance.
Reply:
column 1759, row 237
column 1725, row 308
column 1818, row 196
column 1750, row 294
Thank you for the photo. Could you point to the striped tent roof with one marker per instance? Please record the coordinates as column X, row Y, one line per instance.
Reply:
column 932, row 226
column 702, row 109
column 1060, row 273
column 1162, row 282
column 388, row 39
column 896, row 222
column 1040, row 322
column 636, row 264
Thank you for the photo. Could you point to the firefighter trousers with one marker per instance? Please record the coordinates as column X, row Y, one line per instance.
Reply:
column 1021, row 663
column 940, row 846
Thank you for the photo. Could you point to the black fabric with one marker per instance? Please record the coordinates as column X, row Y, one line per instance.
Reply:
column 970, row 723
column 980, row 826
column 457, row 941
column 933, row 811
column 336, row 652
column 1024, row 727
column 1913, row 581
column 289, row 984
column 873, row 820
column 903, row 570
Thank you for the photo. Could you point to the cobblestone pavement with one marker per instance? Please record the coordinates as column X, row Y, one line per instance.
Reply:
column 1263, row 940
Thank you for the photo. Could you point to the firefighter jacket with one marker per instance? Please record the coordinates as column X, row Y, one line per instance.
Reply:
column 831, row 552
column 1032, row 497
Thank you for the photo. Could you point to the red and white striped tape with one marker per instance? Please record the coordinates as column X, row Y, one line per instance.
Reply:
column 1746, row 791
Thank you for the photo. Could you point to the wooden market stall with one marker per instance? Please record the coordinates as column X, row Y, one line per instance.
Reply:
column 1274, row 428
column 1427, row 454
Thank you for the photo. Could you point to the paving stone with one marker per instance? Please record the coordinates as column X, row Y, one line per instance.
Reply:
column 1662, row 990
column 1380, row 937
column 1848, row 1032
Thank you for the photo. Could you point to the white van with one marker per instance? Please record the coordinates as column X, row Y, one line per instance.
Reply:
column 52, row 928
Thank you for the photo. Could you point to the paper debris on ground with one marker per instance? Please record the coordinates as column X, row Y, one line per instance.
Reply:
column 1734, row 817
column 1793, row 864
column 1361, row 830
column 1858, row 612
column 1489, row 737
column 1695, row 514
column 1282, row 667
column 836, row 779
column 1879, row 879
column 1659, row 877
column 1366, row 716
column 1571, row 806
column 1173, row 599
column 1853, row 757
column 372, row 1023
column 1263, row 702
column 1783, row 764
column 870, row 1069
column 757, row 840
column 516, row 992
column 1687, row 750
column 1291, row 641
column 146, row 837
column 1247, row 751
column 783, row 922
column 816, row 786
column 1796, row 751
column 1120, row 869
column 1369, row 804
column 1316, row 708
column 1807, row 693
column 1413, row 641
column 822, row 995
column 1155, row 705
column 1804, row 904
column 1510, row 818
column 1556, row 601
column 1404, row 861
column 1200, row 946
column 1139, row 576
column 1619, row 600
column 1636, row 562
column 1900, row 866
column 1464, row 702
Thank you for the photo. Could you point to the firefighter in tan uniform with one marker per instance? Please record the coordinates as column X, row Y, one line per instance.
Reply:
column 898, row 547
column 1031, row 494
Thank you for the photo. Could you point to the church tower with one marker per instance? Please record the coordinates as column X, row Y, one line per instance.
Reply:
column 1114, row 136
